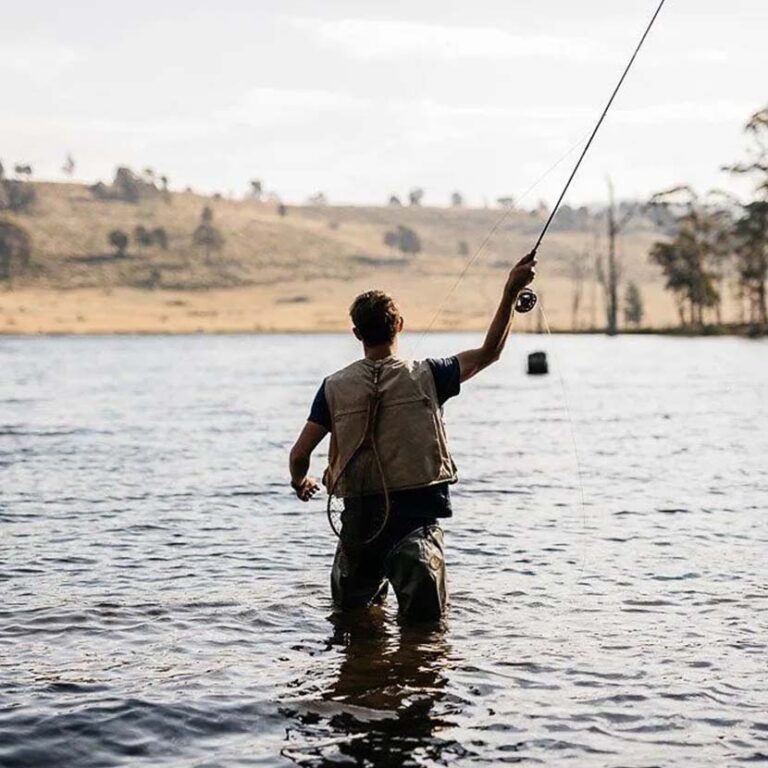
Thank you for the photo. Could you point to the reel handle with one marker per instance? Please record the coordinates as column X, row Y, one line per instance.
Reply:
column 526, row 301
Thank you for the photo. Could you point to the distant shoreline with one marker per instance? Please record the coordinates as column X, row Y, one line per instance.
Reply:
column 673, row 332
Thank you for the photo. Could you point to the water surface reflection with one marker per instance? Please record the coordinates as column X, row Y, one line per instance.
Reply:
column 385, row 703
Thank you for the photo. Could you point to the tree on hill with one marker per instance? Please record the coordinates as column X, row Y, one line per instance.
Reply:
column 160, row 237
column 206, row 235
column 15, row 250
column 2, row 171
column 633, row 304
column 69, row 166
column 318, row 199
column 257, row 189
column 119, row 241
column 506, row 202
column 415, row 196
column 142, row 236
column 282, row 209
column 146, row 238
column 23, row 170
column 457, row 200
column 404, row 239
column 126, row 186
column 17, row 196
column 394, row 201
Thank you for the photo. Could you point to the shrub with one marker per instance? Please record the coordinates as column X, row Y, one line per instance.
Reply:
column 119, row 241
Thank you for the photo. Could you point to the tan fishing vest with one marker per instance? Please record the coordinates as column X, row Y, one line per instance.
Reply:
column 410, row 434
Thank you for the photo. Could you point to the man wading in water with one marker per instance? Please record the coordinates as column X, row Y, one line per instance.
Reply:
column 408, row 552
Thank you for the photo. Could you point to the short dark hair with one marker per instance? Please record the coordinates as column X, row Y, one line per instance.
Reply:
column 375, row 314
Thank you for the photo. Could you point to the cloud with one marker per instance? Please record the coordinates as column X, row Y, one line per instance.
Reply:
column 377, row 39
column 279, row 106
column 685, row 112
column 37, row 58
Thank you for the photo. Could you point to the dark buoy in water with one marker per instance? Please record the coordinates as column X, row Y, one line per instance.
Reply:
column 537, row 364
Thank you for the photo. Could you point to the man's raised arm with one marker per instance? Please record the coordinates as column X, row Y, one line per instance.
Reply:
column 473, row 361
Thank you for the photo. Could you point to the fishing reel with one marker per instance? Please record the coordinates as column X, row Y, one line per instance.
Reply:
column 526, row 301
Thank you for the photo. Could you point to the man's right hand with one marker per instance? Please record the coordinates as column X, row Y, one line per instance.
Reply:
column 522, row 274
column 306, row 489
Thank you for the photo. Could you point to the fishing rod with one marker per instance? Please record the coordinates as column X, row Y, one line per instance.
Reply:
column 527, row 299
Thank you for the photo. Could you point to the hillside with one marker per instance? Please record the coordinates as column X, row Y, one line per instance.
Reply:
column 293, row 272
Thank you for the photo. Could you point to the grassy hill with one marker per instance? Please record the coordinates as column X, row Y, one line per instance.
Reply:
column 298, row 271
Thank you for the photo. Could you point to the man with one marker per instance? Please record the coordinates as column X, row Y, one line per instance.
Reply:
column 408, row 552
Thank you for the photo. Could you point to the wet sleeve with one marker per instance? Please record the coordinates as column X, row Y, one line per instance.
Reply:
column 319, row 413
column 447, row 376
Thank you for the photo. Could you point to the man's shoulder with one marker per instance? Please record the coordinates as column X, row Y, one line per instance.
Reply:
column 348, row 370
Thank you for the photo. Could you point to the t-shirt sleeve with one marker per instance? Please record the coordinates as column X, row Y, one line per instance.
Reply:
column 447, row 376
column 319, row 413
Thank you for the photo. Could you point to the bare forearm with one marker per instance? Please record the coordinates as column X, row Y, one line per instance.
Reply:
column 498, row 330
column 299, row 467
column 473, row 361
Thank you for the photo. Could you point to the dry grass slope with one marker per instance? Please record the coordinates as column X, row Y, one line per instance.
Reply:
column 296, row 272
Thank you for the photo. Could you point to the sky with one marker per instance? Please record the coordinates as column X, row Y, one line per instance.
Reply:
column 361, row 100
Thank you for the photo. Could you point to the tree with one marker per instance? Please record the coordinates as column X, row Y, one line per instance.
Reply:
column 394, row 201
column 17, row 196
column 750, row 236
column 404, row 239
column 610, row 277
column 15, row 250
column 127, row 186
column 463, row 248
column 160, row 237
column 633, row 304
column 757, row 164
column 577, row 274
column 282, row 209
column 750, row 231
column 206, row 235
column 23, row 170
column 506, row 202
column 692, row 260
column 318, row 199
column 69, row 166
column 415, row 196
column 2, row 171
column 142, row 236
column 257, row 190
column 457, row 201
column 119, row 241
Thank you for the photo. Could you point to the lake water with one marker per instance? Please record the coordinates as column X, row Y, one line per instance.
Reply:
column 164, row 598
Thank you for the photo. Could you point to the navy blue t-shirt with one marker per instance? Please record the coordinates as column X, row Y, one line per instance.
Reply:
column 434, row 500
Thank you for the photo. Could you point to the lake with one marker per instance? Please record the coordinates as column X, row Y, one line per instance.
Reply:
column 165, row 600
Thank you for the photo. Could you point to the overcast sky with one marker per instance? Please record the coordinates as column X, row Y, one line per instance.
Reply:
column 364, row 99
